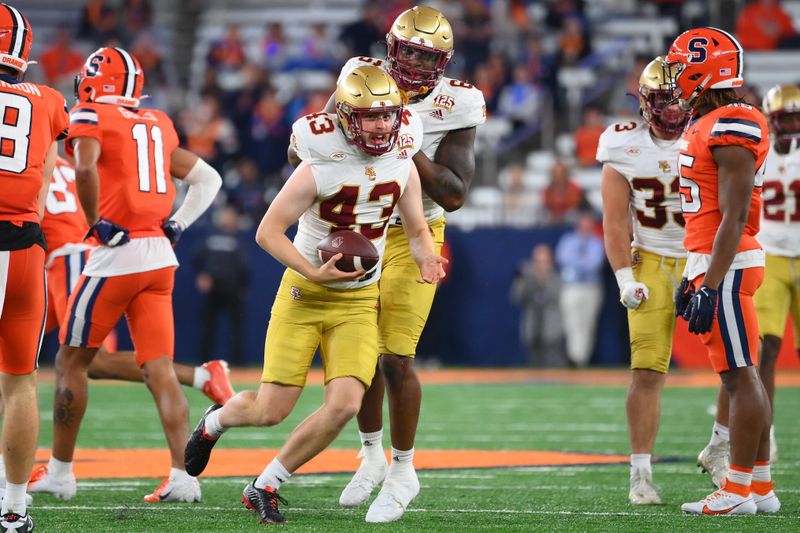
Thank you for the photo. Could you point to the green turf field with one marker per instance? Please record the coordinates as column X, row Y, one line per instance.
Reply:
column 535, row 416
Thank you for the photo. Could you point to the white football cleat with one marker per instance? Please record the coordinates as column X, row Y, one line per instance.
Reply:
column 767, row 503
column 62, row 487
column 721, row 503
column 367, row 477
column 714, row 461
column 399, row 489
column 643, row 492
column 170, row 490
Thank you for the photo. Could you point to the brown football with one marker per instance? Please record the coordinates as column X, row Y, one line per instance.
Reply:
column 357, row 251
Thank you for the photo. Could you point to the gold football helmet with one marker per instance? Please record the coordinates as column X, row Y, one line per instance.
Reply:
column 657, row 104
column 365, row 90
column 780, row 104
column 419, row 46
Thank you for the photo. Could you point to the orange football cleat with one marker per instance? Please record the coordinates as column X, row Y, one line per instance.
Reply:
column 218, row 387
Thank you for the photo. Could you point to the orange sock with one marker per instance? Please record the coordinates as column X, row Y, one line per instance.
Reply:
column 762, row 478
column 739, row 480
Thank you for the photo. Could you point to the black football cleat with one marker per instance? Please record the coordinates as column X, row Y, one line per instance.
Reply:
column 198, row 449
column 264, row 502
column 16, row 523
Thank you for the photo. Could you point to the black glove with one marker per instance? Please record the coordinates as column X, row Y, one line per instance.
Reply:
column 173, row 231
column 109, row 233
column 683, row 294
column 701, row 310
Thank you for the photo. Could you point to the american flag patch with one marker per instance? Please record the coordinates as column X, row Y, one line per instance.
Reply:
column 83, row 116
column 724, row 72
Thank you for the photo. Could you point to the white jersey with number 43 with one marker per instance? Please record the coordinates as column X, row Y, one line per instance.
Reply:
column 451, row 105
column 652, row 173
column 780, row 221
column 355, row 190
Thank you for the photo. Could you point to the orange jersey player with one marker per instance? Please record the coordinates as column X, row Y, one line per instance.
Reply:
column 721, row 162
column 32, row 118
column 64, row 226
column 124, row 160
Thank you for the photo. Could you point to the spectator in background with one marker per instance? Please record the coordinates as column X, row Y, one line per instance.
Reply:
column 269, row 137
column 474, row 35
column 61, row 61
column 587, row 136
column 317, row 49
column 274, row 46
column 137, row 16
column 520, row 100
column 537, row 289
column 98, row 22
column 580, row 257
column 227, row 57
column 562, row 197
column 762, row 24
column 489, row 86
column 209, row 134
column 223, row 274
column 573, row 43
column 365, row 37
column 245, row 190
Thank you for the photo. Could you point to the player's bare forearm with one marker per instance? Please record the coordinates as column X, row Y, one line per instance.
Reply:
column 87, row 182
column 278, row 245
column 736, row 177
column 447, row 178
column 420, row 243
column 616, row 232
column 726, row 243
column 47, row 172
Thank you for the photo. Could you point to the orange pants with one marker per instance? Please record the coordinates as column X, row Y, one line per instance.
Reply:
column 23, row 308
column 733, row 339
column 62, row 276
column 97, row 303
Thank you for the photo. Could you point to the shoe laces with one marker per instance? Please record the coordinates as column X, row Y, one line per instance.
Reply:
column 273, row 499
column 716, row 495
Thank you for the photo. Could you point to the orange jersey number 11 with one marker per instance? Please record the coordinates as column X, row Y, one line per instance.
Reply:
column 144, row 141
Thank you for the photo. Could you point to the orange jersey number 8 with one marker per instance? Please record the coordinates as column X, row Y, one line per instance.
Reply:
column 15, row 130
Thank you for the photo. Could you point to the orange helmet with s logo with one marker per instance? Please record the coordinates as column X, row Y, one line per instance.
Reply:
column 702, row 59
column 110, row 76
column 16, row 38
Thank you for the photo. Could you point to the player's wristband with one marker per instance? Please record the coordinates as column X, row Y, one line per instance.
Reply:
column 624, row 275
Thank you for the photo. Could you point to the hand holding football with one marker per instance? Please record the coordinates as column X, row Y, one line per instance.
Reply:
column 357, row 251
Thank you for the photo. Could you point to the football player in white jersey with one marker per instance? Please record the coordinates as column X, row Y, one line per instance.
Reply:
column 357, row 167
column 640, row 182
column 419, row 46
column 779, row 295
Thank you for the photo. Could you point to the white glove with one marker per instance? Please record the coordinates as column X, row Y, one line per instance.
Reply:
column 631, row 292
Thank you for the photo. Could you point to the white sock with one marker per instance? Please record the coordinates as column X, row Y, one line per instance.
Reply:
column 272, row 476
column 58, row 468
column 212, row 426
column 761, row 473
column 402, row 457
column 719, row 435
column 14, row 498
column 2, row 469
column 372, row 446
column 176, row 474
column 771, row 436
column 640, row 460
column 201, row 375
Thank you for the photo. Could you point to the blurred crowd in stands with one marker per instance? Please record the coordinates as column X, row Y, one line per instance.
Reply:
column 239, row 115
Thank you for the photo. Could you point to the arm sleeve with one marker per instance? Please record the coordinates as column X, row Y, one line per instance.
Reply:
column 204, row 182
column 739, row 129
